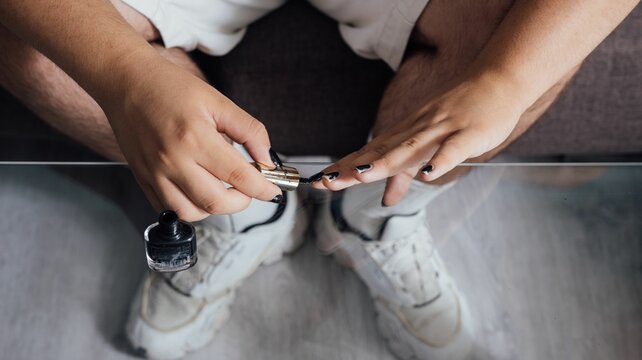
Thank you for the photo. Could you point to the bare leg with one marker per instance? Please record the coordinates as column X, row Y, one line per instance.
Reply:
column 60, row 101
column 447, row 38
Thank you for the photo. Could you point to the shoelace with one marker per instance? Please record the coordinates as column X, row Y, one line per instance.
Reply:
column 212, row 249
column 407, row 258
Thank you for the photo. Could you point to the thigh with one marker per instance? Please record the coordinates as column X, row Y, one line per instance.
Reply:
column 458, row 29
column 214, row 27
column 374, row 29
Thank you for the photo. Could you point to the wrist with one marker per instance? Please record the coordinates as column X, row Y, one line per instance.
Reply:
column 124, row 75
column 126, row 78
column 505, row 85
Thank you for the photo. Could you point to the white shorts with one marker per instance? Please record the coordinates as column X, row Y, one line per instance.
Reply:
column 374, row 29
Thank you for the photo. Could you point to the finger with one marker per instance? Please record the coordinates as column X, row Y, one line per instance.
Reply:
column 453, row 151
column 394, row 155
column 409, row 151
column 394, row 134
column 208, row 192
column 339, row 175
column 173, row 198
column 227, row 164
column 245, row 130
column 397, row 187
column 332, row 169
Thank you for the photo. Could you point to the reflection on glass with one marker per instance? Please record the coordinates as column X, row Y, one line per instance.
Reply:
column 531, row 261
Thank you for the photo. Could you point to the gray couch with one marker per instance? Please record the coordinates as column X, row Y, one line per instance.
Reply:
column 293, row 72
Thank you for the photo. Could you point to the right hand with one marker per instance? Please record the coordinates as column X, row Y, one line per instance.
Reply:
column 170, row 125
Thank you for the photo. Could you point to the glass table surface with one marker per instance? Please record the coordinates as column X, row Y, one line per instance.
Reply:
column 549, row 257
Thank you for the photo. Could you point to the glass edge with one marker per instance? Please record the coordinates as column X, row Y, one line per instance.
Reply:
column 489, row 164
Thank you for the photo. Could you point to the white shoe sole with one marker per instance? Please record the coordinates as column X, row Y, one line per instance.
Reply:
column 154, row 343
column 400, row 339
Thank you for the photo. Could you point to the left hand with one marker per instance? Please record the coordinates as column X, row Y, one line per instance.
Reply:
column 463, row 122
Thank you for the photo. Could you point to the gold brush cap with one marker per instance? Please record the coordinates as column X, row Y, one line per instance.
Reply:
column 286, row 178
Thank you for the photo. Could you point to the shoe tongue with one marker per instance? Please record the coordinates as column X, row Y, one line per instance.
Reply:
column 361, row 206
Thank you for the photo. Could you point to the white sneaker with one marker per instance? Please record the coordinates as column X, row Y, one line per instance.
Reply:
column 173, row 314
column 420, row 310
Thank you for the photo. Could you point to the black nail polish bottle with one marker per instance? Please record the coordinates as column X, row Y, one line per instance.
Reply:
column 170, row 244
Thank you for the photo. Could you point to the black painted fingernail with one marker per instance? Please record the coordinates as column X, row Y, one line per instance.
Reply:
column 383, row 204
column 427, row 169
column 316, row 177
column 277, row 199
column 331, row 176
column 363, row 168
column 275, row 158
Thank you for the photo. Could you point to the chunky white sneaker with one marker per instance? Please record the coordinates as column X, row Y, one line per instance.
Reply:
column 173, row 314
column 420, row 311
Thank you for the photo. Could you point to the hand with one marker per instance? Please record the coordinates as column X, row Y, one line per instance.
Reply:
column 170, row 125
column 462, row 122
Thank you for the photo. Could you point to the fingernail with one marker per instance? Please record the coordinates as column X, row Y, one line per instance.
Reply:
column 427, row 169
column 383, row 204
column 277, row 199
column 363, row 168
column 275, row 158
column 331, row 176
column 316, row 177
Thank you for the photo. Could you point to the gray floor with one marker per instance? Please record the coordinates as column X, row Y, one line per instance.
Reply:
column 550, row 271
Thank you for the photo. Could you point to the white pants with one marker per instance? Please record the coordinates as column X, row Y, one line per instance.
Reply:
column 374, row 29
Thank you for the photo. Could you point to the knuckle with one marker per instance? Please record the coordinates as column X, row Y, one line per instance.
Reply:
column 237, row 176
column 380, row 149
column 165, row 159
column 385, row 162
column 184, row 135
column 253, row 129
column 411, row 143
column 405, row 176
column 258, row 128
column 212, row 207
column 360, row 152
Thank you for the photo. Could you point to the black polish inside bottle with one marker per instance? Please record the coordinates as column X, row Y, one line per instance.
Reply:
column 170, row 244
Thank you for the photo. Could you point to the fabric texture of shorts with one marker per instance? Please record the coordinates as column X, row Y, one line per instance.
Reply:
column 374, row 29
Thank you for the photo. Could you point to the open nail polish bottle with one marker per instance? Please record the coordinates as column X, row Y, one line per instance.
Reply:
column 170, row 244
